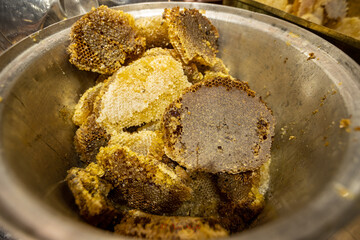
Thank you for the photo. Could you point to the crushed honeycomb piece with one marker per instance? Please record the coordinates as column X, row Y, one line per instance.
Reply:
column 218, row 68
column 143, row 225
column 89, row 138
column 140, row 92
column 211, row 75
column 190, row 70
column 103, row 40
column 237, row 186
column 84, row 108
column 154, row 30
column 219, row 125
column 90, row 192
column 144, row 143
column 205, row 198
column 192, row 35
column 143, row 182
column 242, row 202
column 192, row 73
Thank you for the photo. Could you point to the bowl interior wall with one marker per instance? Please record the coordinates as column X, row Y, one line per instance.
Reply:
column 37, row 132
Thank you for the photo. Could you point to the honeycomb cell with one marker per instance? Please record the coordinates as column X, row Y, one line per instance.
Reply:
column 103, row 40
column 147, row 226
column 217, row 126
column 192, row 35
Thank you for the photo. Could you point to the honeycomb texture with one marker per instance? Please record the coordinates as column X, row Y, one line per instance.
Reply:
column 144, row 182
column 103, row 40
column 143, row 225
column 219, row 125
column 158, row 51
column 90, row 193
column 88, row 139
column 205, row 199
column 84, row 108
column 241, row 201
column 154, row 30
column 218, row 68
column 144, row 143
column 190, row 70
column 140, row 92
column 192, row 35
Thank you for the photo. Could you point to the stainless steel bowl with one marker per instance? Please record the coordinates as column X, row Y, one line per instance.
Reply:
column 315, row 182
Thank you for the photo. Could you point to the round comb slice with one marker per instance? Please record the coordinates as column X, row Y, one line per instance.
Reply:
column 192, row 35
column 219, row 125
column 103, row 40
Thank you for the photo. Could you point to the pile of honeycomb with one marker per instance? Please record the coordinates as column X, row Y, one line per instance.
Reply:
column 146, row 130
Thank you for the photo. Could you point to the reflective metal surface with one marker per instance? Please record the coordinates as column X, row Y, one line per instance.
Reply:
column 315, row 183
column 20, row 18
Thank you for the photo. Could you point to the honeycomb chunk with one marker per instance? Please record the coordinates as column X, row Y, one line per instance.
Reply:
column 84, row 108
column 88, row 139
column 190, row 70
column 192, row 35
column 90, row 192
column 143, row 182
column 241, row 200
column 144, row 143
column 218, row 68
column 154, row 30
column 205, row 199
column 219, row 125
column 143, row 225
column 140, row 92
column 103, row 40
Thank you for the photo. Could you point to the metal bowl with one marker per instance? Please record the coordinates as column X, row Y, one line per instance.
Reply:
column 310, row 85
